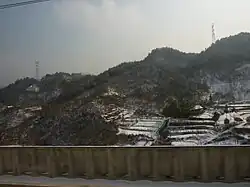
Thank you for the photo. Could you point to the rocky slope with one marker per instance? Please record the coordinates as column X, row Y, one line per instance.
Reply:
column 225, row 66
column 72, row 124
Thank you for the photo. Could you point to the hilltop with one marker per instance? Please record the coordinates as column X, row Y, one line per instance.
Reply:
column 223, row 62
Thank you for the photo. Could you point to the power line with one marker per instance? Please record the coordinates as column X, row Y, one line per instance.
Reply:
column 24, row 3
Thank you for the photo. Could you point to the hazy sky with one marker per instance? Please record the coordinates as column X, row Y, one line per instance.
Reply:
column 93, row 35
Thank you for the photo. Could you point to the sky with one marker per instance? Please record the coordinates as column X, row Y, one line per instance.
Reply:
column 90, row 36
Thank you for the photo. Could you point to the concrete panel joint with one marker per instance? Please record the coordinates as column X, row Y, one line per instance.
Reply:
column 52, row 169
column 1, row 165
column 178, row 165
column 111, row 172
column 34, row 162
column 155, row 166
column 229, row 165
column 203, row 164
column 15, row 161
column 89, row 163
column 70, row 162
column 132, row 164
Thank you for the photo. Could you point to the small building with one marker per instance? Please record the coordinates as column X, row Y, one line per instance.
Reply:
column 197, row 109
column 33, row 88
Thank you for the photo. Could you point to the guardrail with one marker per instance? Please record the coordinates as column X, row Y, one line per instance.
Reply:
column 198, row 163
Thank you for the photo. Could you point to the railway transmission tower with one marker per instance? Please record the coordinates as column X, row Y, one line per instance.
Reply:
column 37, row 70
column 213, row 34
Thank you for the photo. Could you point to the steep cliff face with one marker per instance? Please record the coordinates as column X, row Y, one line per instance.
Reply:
column 237, row 83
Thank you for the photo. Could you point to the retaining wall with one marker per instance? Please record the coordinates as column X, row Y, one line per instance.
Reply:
column 207, row 164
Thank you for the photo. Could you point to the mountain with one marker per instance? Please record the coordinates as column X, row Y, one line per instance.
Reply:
column 75, row 107
column 169, row 56
column 223, row 69
column 165, row 71
column 224, row 55
column 11, row 93
column 225, row 66
column 22, row 91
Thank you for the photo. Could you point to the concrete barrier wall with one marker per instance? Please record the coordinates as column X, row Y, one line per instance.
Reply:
column 207, row 164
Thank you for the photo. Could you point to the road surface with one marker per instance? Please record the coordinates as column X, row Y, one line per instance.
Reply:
column 45, row 181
